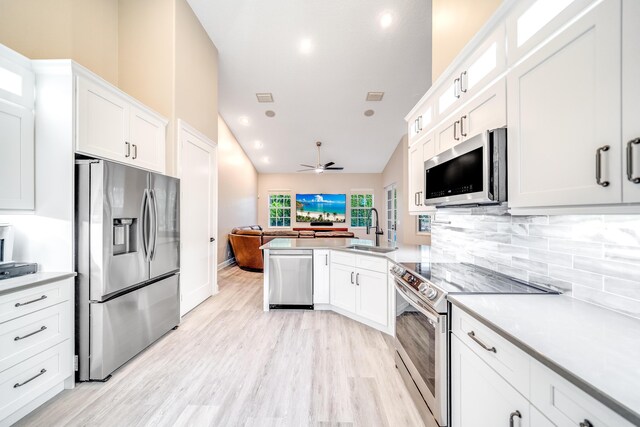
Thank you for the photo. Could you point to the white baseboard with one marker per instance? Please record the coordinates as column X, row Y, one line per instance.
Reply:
column 226, row 263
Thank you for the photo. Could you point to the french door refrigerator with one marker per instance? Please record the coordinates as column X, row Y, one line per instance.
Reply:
column 128, row 263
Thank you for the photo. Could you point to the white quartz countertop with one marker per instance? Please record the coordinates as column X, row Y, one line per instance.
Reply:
column 403, row 253
column 29, row 280
column 596, row 349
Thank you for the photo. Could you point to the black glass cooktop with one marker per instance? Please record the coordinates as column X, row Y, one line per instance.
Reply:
column 467, row 278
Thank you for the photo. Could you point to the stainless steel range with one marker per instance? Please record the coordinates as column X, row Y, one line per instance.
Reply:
column 422, row 331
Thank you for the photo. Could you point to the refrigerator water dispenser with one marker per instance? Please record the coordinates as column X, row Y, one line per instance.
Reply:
column 124, row 235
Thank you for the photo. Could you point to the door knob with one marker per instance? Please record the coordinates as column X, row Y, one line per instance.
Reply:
column 212, row 239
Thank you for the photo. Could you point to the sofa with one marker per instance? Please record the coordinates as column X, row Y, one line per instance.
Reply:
column 246, row 241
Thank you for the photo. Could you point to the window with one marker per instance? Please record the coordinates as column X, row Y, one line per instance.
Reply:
column 360, row 209
column 279, row 210
column 424, row 224
column 392, row 213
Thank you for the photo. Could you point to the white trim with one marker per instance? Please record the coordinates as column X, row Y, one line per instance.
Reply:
column 226, row 263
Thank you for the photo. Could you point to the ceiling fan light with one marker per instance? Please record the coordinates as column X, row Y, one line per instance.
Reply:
column 319, row 170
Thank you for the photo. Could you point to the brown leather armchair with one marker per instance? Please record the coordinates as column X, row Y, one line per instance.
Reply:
column 245, row 243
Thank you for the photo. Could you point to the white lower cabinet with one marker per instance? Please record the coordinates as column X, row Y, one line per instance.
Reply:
column 362, row 293
column 491, row 384
column 321, row 277
column 479, row 396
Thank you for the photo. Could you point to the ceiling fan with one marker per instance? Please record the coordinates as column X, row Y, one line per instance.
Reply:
column 319, row 168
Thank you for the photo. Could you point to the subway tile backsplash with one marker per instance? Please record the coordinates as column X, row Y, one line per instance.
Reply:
column 595, row 258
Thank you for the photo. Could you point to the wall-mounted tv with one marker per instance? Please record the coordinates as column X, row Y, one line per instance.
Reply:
column 321, row 207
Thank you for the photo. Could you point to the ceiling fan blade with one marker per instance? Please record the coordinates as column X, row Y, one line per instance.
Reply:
column 306, row 170
column 308, row 166
column 337, row 168
column 329, row 164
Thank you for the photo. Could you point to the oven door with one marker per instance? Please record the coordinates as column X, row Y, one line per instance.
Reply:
column 421, row 342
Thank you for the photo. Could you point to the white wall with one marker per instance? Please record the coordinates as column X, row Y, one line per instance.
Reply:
column 237, row 189
column 311, row 182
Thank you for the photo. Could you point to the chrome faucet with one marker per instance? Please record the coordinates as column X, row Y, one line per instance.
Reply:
column 379, row 232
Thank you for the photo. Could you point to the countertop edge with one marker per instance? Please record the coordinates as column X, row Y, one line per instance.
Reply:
column 611, row 403
column 37, row 280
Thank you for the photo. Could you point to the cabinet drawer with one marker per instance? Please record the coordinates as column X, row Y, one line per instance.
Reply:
column 344, row 258
column 28, row 335
column 372, row 263
column 25, row 381
column 506, row 359
column 27, row 301
column 565, row 404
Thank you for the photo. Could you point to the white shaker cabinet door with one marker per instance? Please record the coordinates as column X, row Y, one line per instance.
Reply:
column 372, row 295
column 481, row 397
column 416, row 189
column 321, row 283
column 564, row 114
column 103, row 122
column 343, row 287
column 631, row 101
column 17, row 173
column 147, row 138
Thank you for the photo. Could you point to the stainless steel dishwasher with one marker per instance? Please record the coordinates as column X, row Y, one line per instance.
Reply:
column 291, row 279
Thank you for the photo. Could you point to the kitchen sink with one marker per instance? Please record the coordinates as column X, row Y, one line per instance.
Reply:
column 372, row 249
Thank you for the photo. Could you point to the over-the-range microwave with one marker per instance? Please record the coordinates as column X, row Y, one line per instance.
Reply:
column 472, row 173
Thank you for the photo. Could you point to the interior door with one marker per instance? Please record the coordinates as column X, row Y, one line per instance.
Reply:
column 165, row 196
column 198, row 178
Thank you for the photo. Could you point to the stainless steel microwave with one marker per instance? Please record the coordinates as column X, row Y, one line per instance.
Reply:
column 472, row 173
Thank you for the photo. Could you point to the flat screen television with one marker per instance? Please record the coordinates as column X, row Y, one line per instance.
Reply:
column 321, row 207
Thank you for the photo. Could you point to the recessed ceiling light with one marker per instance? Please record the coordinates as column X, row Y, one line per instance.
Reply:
column 258, row 144
column 244, row 121
column 386, row 19
column 369, row 113
column 265, row 159
column 270, row 113
column 306, row 46
column 264, row 97
column 375, row 96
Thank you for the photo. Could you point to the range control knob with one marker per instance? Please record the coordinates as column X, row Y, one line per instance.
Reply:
column 423, row 288
column 431, row 293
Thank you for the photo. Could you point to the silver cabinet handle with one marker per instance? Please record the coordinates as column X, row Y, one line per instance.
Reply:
column 472, row 335
column 135, row 152
column 43, row 328
column 358, row 279
column 463, row 85
column 455, row 130
column 352, row 277
column 599, row 152
column 326, row 259
column 462, row 125
column 585, row 423
column 630, row 177
column 42, row 372
column 128, row 145
column 512, row 416
column 415, row 198
column 456, row 86
column 419, row 198
column 20, row 304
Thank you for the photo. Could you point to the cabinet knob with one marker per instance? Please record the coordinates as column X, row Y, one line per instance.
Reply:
column 212, row 239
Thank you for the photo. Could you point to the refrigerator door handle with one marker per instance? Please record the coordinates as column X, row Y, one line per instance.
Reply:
column 154, row 202
column 145, row 224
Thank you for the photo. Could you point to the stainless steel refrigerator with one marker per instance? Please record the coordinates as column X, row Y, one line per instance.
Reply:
column 128, row 263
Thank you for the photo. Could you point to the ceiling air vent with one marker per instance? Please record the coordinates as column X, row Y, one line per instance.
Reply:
column 264, row 97
column 375, row 96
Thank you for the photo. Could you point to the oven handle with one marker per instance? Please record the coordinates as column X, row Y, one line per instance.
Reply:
column 422, row 309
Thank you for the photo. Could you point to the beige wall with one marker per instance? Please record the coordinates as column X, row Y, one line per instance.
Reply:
column 310, row 182
column 84, row 30
column 396, row 172
column 455, row 22
column 237, row 188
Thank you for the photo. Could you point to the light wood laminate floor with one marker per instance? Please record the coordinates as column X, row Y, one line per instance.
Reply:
column 231, row 364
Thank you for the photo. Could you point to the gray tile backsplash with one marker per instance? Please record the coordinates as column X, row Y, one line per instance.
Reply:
column 594, row 258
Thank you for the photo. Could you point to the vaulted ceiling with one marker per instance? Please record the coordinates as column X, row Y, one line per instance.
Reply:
column 319, row 59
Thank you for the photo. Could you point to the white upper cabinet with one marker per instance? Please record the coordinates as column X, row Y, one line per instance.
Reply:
column 421, row 151
column 631, row 101
column 563, row 108
column 482, row 66
column 420, row 122
column 532, row 21
column 17, row 158
column 113, row 126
